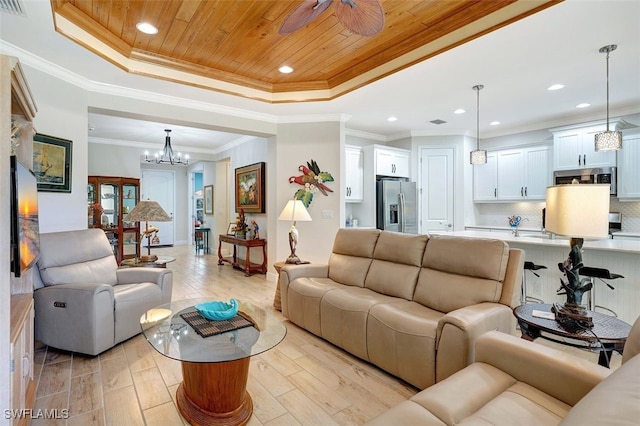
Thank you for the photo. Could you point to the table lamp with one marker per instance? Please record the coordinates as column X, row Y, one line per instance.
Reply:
column 578, row 211
column 145, row 211
column 294, row 211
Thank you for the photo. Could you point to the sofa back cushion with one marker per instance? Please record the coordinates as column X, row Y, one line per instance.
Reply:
column 75, row 257
column 396, row 264
column 351, row 255
column 458, row 272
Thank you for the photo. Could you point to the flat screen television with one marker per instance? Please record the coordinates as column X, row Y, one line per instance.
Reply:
column 25, row 231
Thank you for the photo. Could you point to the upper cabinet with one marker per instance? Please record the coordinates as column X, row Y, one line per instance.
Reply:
column 628, row 170
column 391, row 162
column 354, row 173
column 574, row 148
column 521, row 174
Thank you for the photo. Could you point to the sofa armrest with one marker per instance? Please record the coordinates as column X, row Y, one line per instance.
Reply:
column 75, row 317
column 288, row 273
column 559, row 374
column 160, row 276
column 458, row 331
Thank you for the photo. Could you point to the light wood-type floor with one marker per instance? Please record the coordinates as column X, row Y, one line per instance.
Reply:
column 302, row 381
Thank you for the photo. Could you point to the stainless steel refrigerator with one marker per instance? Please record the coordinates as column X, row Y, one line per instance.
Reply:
column 396, row 205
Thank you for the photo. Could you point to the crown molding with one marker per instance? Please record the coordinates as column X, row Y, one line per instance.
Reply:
column 365, row 135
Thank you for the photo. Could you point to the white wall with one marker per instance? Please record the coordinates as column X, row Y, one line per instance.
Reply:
column 62, row 112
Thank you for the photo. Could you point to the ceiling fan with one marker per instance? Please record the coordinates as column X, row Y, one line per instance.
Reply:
column 364, row 17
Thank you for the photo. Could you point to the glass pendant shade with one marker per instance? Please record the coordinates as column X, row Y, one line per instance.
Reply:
column 479, row 156
column 608, row 141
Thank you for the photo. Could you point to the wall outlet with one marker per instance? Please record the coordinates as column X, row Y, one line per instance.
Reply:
column 327, row 214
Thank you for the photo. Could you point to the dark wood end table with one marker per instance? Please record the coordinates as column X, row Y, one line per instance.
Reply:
column 611, row 332
column 248, row 267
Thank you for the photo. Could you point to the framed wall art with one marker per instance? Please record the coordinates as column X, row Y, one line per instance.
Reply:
column 52, row 163
column 208, row 199
column 250, row 194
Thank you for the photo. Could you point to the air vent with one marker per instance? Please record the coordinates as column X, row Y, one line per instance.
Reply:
column 12, row 6
column 438, row 121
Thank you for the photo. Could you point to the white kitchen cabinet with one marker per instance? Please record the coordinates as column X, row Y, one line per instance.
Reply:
column 513, row 175
column 485, row 179
column 574, row 148
column 523, row 174
column 392, row 162
column 628, row 170
column 354, row 173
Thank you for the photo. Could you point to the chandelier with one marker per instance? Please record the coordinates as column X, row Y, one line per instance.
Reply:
column 608, row 140
column 166, row 155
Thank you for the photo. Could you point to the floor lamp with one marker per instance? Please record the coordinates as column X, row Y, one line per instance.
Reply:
column 578, row 211
column 146, row 211
column 294, row 211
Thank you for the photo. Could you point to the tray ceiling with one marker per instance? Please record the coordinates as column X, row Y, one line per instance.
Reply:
column 235, row 47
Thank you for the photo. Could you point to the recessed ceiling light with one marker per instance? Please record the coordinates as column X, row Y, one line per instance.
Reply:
column 494, row 123
column 555, row 87
column 459, row 111
column 146, row 28
column 285, row 69
column 583, row 105
column 392, row 118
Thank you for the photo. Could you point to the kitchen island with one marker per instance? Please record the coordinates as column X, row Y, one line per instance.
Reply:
column 620, row 256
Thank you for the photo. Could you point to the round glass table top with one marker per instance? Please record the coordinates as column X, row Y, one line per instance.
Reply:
column 169, row 333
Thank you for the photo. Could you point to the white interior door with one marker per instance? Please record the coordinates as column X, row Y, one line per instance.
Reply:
column 159, row 185
column 436, row 189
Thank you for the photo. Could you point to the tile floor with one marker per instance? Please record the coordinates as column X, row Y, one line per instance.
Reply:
column 302, row 381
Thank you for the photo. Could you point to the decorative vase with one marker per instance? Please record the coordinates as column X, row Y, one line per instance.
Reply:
column 241, row 234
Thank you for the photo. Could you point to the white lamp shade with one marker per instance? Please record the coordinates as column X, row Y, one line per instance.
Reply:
column 295, row 211
column 578, row 211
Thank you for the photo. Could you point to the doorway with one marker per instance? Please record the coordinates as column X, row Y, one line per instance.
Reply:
column 437, row 191
column 159, row 185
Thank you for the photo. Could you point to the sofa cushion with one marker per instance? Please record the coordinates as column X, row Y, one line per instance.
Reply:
column 613, row 401
column 401, row 339
column 343, row 314
column 396, row 255
column 483, row 394
column 459, row 272
column 303, row 301
column 351, row 255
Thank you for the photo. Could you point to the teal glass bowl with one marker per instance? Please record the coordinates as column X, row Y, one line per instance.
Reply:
column 218, row 311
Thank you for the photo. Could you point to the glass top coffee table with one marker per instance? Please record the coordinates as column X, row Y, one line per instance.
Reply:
column 214, row 368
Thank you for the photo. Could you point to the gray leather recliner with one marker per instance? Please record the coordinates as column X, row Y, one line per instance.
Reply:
column 83, row 302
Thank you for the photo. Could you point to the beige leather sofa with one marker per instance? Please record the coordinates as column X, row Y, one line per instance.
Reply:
column 411, row 304
column 517, row 382
column 82, row 301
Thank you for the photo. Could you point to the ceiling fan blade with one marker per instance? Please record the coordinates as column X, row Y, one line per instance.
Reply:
column 366, row 18
column 303, row 15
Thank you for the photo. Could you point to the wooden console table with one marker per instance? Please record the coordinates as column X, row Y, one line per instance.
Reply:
column 234, row 261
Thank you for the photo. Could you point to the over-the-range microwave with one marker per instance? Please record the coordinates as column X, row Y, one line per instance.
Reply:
column 600, row 175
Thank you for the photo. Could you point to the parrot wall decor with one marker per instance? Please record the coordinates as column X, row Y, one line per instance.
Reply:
column 312, row 180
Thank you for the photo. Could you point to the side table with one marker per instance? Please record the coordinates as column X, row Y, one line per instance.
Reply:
column 160, row 262
column 607, row 335
column 248, row 267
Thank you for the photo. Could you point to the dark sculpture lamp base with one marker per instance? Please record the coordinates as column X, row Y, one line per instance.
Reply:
column 293, row 259
column 572, row 317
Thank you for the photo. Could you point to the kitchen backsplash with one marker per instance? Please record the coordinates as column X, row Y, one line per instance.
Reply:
column 497, row 214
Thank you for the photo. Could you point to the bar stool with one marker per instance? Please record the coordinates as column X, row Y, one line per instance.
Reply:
column 531, row 267
column 199, row 240
column 602, row 275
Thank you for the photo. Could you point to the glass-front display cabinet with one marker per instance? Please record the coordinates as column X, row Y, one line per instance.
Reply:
column 109, row 200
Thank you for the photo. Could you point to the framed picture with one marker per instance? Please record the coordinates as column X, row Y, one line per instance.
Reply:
column 208, row 199
column 250, row 188
column 231, row 230
column 52, row 163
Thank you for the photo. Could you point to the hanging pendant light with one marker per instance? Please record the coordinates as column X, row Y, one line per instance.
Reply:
column 478, row 156
column 608, row 140
column 166, row 155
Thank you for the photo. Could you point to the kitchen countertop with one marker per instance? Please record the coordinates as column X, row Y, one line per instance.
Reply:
column 608, row 244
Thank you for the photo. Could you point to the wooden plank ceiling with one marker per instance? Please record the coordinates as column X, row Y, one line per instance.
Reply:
column 234, row 46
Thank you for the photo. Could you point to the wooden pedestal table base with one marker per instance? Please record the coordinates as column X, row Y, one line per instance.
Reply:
column 215, row 393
